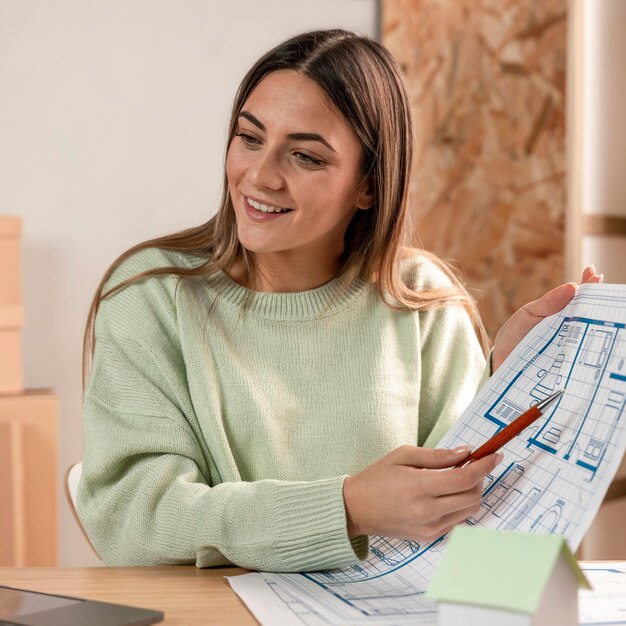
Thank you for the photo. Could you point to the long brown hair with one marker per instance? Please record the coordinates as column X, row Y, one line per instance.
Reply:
column 364, row 81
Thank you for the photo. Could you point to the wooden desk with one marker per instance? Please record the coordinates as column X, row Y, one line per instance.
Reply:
column 187, row 595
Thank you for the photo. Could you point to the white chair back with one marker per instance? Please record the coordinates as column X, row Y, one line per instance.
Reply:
column 71, row 482
column 72, row 478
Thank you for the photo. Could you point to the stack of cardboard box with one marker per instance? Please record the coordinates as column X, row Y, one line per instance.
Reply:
column 28, row 431
column 11, row 309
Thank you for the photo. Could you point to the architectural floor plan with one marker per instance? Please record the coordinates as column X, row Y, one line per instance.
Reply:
column 552, row 480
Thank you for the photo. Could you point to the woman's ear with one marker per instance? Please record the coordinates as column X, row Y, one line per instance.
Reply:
column 367, row 197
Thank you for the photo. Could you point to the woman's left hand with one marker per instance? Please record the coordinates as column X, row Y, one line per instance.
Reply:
column 524, row 319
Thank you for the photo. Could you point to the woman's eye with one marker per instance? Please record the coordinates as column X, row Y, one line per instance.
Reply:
column 305, row 159
column 248, row 140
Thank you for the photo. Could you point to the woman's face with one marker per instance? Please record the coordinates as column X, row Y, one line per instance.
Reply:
column 293, row 150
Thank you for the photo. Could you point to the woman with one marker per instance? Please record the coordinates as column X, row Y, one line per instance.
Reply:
column 266, row 387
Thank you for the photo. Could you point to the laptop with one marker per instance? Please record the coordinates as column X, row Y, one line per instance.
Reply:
column 19, row 607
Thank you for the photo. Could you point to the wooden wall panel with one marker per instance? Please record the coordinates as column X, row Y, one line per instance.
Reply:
column 486, row 80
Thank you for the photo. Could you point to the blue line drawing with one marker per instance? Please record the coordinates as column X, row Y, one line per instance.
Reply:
column 578, row 353
column 552, row 480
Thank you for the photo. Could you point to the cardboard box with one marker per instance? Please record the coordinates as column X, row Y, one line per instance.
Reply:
column 11, row 310
column 10, row 261
column 11, row 321
column 28, row 479
column 11, row 379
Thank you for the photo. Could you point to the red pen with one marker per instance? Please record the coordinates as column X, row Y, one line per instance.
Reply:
column 508, row 432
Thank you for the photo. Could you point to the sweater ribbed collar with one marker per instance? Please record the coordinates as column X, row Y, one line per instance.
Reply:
column 300, row 305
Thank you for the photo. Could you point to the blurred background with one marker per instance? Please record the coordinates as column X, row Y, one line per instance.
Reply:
column 113, row 119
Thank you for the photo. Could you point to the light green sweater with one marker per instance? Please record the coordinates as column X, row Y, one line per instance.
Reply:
column 217, row 436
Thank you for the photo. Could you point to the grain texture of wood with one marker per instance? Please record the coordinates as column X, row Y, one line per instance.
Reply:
column 187, row 595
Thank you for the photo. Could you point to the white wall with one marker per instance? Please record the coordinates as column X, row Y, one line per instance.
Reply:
column 604, row 131
column 113, row 119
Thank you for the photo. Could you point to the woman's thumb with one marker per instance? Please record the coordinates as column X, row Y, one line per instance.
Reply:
column 553, row 301
column 432, row 458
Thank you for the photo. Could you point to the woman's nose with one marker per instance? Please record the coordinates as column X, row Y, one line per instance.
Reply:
column 265, row 172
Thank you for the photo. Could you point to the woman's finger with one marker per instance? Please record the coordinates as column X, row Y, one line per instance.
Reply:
column 588, row 272
column 591, row 276
column 444, row 505
column 459, row 479
column 458, row 517
column 430, row 532
column 430, row 458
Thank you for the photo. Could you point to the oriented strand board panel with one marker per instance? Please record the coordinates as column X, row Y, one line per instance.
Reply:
column 486, row 80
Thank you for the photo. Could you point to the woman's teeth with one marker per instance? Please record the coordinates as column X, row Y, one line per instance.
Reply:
column 266, row 208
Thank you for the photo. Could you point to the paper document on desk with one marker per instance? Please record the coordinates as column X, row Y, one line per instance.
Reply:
column 552, row 480
column 606, row 602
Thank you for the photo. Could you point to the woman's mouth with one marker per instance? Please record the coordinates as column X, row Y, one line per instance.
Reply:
column 259, row 211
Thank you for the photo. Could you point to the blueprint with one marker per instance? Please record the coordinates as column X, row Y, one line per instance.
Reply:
column 552, row 480
column 606, row 603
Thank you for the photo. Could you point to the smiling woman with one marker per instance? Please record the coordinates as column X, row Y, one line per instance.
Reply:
column 278, row 171
column 266, row 386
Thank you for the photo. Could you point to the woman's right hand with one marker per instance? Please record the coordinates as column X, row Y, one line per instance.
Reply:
column 406, row 495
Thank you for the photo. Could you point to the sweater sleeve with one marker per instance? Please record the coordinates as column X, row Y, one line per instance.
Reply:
column 151, row 492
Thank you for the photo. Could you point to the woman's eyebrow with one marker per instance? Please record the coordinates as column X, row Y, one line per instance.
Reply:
column 298, row 136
